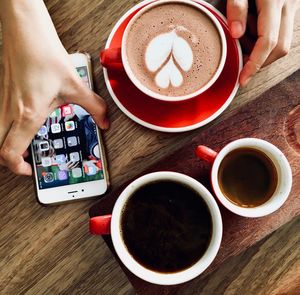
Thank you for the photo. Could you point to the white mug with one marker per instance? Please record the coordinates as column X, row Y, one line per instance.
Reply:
column 279, row 160
column 116, row 58
column 110, row 224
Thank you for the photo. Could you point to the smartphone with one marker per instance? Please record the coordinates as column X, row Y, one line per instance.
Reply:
column 68, row 155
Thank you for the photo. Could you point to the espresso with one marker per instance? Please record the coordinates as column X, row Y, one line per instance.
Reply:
column 166, row 226
column 173, row 49
column 247, row 177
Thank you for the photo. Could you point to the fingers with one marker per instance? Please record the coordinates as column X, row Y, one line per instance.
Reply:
column 268, row 30
column 16, row 143
column 11, row 154
column 89, row 100
column 237, row 17
column 285, row 35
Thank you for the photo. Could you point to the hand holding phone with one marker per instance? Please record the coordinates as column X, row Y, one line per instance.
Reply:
column 37, row 77
column 68, row 156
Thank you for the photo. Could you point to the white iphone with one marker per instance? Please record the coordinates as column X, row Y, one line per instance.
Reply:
column 67, row 152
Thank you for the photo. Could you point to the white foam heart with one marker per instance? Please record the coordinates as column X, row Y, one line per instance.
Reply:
column 169, row 73
column 162, row 47
column 158, row 50
column 182, row 53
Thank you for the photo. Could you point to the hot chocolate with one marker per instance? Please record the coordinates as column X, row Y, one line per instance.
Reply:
column 173, row 49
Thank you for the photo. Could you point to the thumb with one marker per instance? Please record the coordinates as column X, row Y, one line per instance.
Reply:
column 237, row 11
column 81, row 95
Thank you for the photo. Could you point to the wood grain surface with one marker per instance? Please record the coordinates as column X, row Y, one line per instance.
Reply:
column 49, row 250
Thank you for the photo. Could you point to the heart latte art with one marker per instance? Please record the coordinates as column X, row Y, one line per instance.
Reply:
column 173, row 49
column 160, row 55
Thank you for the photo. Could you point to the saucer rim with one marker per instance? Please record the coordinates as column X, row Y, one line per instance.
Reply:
column 157, row 127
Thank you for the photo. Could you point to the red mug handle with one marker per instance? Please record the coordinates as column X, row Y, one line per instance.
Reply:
column 206, row 153
column 100, row 225
column 111, row 58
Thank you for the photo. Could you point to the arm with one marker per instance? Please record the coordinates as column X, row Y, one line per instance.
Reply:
column 38, row 76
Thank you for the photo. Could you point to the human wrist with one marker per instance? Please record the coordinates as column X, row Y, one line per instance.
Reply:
column 11, row 10
column 26, row 22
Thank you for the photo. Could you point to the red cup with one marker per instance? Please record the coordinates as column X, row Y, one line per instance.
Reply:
column 282, row 165
column 111, row 224
column 116, row 58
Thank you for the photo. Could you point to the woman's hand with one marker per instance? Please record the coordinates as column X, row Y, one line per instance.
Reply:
column 274, row 30
column 37, row 77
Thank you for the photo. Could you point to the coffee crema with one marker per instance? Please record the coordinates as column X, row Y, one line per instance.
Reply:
column 166, row 226
column 247, row 177
column 173, row 49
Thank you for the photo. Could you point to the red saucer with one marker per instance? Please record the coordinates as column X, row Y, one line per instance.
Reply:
column 174, row 116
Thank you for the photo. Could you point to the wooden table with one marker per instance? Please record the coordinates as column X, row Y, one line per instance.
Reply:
column 49, row 250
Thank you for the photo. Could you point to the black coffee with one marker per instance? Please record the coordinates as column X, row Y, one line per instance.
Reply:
column 166, row 226
column 247, row 177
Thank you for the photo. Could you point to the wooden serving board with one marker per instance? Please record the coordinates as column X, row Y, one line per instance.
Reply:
column 273, row 116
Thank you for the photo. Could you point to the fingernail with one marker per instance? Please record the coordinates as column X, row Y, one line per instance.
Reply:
column 246, row 81
column 105, row 123
column 27, row 171
column 236, row 29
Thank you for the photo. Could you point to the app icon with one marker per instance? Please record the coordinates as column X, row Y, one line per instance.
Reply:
column 43, row 131
column 46, row 161
column 72, row 141
column 62, row 175
column 99, row 164
column 82, row 111
column 67, row 110
column 69, row 125
column 76, row 172
column 44, row 146
column 55, row 128
column 55, row 113
column 58, row 143
column 74, row 157
column 81, row 72
column 48, row 177
column 60, row 159
column 90, row 170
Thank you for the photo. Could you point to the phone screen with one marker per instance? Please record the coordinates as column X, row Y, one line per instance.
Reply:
column 66, row 148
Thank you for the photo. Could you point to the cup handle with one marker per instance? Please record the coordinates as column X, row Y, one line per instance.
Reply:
column 100, row 225
column 205, row 153
column 111, row 58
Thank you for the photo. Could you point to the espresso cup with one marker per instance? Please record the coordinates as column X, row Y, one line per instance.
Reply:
column 117, row 58
column 111, row 224
column 282, row 177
